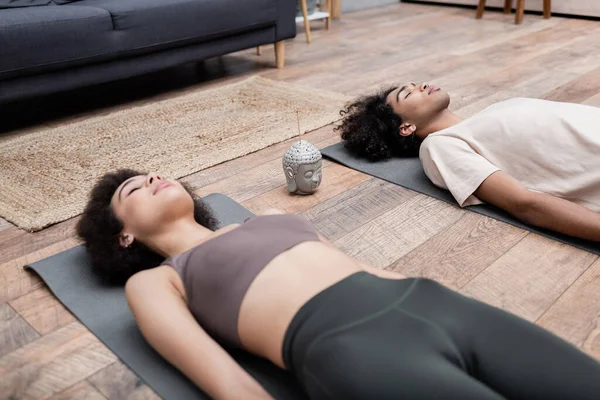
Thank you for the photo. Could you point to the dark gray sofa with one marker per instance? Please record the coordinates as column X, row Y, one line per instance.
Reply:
column 48, row 46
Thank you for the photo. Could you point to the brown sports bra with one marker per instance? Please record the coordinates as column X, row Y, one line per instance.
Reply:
column 217, row 273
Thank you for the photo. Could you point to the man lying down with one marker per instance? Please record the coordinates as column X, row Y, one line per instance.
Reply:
column 538, row 160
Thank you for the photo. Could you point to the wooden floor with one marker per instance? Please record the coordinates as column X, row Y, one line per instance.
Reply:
column 46, row 353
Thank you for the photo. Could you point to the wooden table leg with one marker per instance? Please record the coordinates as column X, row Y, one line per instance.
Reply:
column 280, row 54
column 547, row 8
column 520, row 11
column 258, row 50
column 335, row 10
column 507, row 6
column 480, row 9
column 328, row 10
column 306, row 21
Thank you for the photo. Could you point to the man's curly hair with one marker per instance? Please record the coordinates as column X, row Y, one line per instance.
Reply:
column 100, row 229
column 370, row 129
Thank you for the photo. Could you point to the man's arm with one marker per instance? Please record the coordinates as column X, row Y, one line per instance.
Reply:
column 539, row 209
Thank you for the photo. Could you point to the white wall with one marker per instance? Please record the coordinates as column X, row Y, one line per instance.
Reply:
column 354, row 5
column 575, row 7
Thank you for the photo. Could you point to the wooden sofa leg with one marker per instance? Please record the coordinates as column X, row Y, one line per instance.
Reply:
column 258, row 50
column 280, row 53
column 507, row 6
column 480, row 9
column 335, row 9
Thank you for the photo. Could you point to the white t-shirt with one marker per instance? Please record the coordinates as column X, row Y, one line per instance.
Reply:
column 549, row 147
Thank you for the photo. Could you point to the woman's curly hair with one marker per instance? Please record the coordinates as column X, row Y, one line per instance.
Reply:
column 370, row 129
column 100, row 231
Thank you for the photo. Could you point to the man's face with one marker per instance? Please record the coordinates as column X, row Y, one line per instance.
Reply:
column 418, row 104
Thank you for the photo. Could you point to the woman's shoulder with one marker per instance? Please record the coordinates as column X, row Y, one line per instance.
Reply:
column 147, row 280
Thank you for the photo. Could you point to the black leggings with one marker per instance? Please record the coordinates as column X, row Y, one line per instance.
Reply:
column 372, row 338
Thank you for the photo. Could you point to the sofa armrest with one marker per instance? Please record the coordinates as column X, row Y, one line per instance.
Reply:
column 286, row 20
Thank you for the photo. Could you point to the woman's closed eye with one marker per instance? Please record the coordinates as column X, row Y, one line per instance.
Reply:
column 132, row 190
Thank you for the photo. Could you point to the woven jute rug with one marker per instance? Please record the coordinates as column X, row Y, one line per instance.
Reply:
column 46, row 175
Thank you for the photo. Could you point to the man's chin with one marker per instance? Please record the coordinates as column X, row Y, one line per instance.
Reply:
column 444, row 99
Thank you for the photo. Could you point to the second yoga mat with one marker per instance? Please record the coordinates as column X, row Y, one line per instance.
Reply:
column 408, row 172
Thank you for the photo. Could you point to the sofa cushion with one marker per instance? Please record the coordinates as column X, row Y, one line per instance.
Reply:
column 22, row 3
column 30, row 3
column 48, row 36
column 148, row 25
column 51, row 37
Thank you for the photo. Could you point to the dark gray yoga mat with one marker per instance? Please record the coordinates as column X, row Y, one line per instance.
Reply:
column 408, row 172
column 103, row 309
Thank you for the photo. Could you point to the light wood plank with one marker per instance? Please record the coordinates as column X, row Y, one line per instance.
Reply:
column 560, row 53
column 14, row 330
column 576, row 314
column 336, row 179
column 42, row 310
column 4, row 224
column 530, row 277
column 118, row 382
column 487, row 43
column 407, row 29
column 459, row 253
column 593, row 101
column 9, row 232
column 22, row 243
column 255, row 181
column 400, row 230
column 15, row 281
column 556, row 64
column 535, row 87
column 52, row 363
column 577, row 90
column 460, row 64
column 353, row 208
column 81, row 391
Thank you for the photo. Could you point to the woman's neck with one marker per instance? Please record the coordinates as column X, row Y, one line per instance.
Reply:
column 178, row 237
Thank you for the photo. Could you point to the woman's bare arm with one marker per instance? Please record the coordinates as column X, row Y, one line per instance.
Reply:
column 167, row 324
column 539, row 209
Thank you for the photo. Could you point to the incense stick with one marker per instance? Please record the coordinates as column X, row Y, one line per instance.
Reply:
column 298, row 118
